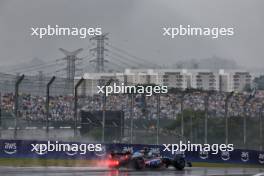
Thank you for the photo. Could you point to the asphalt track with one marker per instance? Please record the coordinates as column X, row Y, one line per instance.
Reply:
column 84, row 171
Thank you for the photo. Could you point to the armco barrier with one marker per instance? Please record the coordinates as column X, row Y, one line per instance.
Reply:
column 22, row 149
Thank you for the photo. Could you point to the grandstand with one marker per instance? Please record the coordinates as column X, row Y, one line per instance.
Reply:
column 190, row 104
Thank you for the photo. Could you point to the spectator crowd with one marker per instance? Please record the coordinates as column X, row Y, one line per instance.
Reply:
column 61, row 107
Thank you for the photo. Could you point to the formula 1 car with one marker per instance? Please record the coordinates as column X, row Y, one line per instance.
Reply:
column 144, row 159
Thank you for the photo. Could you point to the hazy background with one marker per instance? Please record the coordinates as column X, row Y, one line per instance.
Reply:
column 135, row 26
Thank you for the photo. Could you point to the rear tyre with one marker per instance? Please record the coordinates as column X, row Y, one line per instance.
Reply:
column 138, row 163
column 166, row 162
column 189, row 164
column 179, row 162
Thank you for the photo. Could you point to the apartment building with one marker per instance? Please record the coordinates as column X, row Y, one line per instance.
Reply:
column 218, row 80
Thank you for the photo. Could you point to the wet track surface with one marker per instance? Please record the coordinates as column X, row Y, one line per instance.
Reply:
column 84, row 171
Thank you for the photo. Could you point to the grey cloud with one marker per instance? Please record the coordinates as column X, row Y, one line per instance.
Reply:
column 134, row 25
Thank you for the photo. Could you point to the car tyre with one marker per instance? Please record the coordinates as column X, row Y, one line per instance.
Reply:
column 179, row 163
column 138, row 163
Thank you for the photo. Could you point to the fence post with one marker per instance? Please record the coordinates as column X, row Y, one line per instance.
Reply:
column 47, row 103
column 261, row 128
column 206, row 119
column 19, row 80
column 158, row 118
column 131, row 118
column 227, row 117
column 191, row 126
column 1, row 115
column 104, row 109
column 182, row 117
column 76, row 104
column 245, row 121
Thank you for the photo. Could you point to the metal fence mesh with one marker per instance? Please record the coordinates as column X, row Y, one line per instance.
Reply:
column 196, row 116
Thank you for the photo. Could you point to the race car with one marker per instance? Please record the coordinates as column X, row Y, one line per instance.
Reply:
column 145, row 158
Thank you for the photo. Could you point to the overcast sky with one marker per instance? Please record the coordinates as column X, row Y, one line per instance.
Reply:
column 136, row 26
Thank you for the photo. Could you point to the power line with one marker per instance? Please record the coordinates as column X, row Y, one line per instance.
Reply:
column 122, row 59
column 34, row 67
column 131, row 55
column 124, row 62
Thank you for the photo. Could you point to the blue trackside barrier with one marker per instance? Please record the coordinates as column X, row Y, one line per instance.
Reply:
column 23, row 149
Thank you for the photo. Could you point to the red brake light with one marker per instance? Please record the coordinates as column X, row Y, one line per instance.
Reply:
column 113, row 163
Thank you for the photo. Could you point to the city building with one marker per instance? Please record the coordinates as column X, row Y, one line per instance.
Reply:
column 235, row 80
column 218, row 80
column 204, row 79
